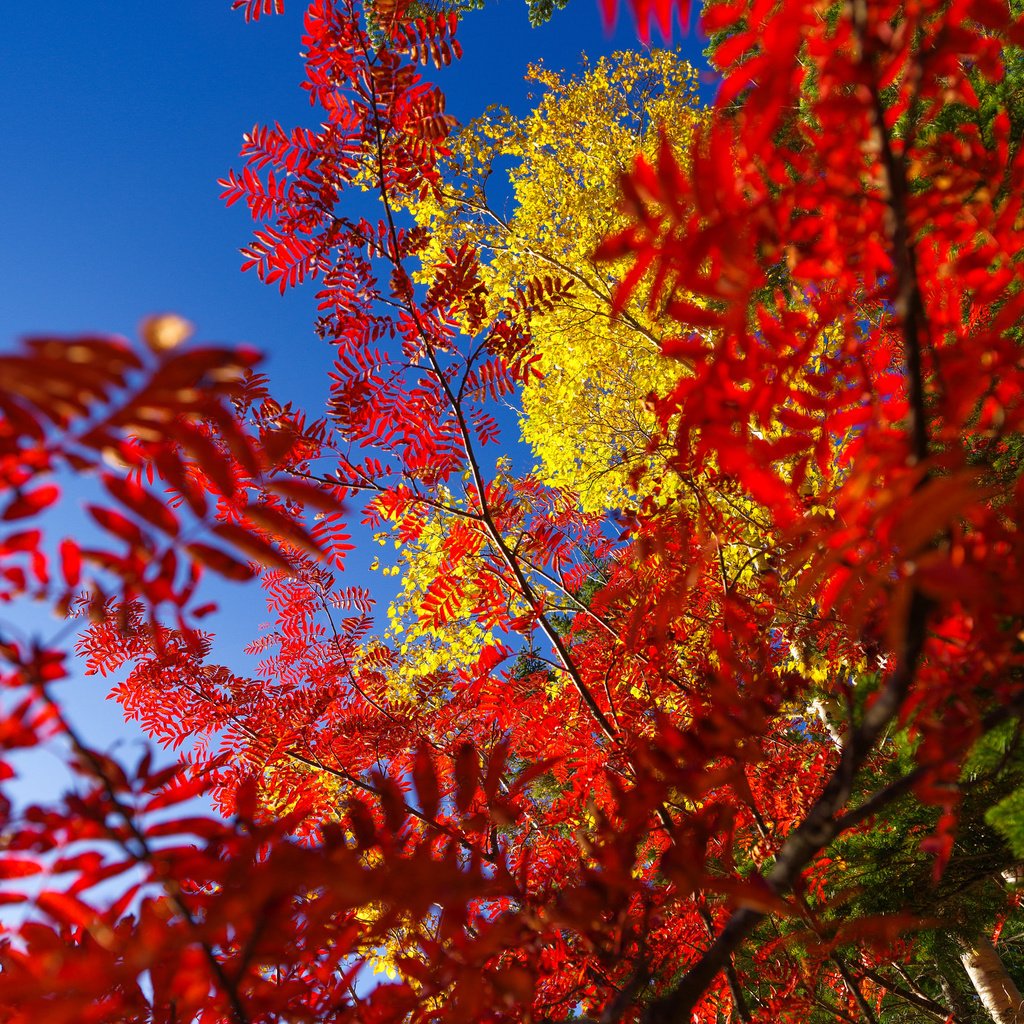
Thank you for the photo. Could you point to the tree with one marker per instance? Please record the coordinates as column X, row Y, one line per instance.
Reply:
column 588, row 818
column 584, row 414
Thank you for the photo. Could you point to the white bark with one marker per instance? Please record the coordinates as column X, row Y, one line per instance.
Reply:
column 995, row 988
column 828, row 710
column 1014, row 877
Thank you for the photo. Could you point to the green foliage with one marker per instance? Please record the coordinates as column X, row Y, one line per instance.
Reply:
column 540, row 11
column 1007, row 818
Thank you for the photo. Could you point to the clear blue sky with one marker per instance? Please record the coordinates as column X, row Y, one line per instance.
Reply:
column 118, row 118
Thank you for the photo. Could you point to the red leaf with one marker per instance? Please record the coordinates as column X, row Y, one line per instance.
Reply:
column 220, row 562
column 362, row 824
column 205, row 828
column 255, row 547
column 17, row 867
column 178, row 791
column 320, row 496
column 753, row 892
column 25, row 540
column 214, row 464
column 118, row 525
column 392, row 802
column 282, row 525
column 30, row 503
column 68, row 909
column 147, row 506
column 496, row 768
column 467, row 776
column 425, row 778
column 71, row 562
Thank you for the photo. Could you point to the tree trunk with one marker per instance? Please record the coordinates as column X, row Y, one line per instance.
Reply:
column 995, row 988
column 954, row 1000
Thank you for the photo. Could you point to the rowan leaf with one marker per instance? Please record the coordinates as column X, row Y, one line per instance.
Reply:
column 220, row 561
column 30, row 503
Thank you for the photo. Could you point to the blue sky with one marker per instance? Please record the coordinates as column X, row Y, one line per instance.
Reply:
column 118, row 119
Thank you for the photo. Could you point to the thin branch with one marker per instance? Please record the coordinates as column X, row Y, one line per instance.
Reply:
column 922, row 1002
column 854, row 989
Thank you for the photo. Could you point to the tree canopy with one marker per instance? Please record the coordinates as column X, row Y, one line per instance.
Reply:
column 714, row 712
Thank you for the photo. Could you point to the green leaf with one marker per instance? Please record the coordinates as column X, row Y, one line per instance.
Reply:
column 1007, row 818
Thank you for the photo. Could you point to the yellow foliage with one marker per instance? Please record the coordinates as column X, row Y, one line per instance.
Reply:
column 586, row 419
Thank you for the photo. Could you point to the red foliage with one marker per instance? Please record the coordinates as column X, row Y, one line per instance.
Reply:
column 587, row 818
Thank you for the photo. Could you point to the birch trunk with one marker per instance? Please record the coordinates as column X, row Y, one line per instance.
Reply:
column 995, row 988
